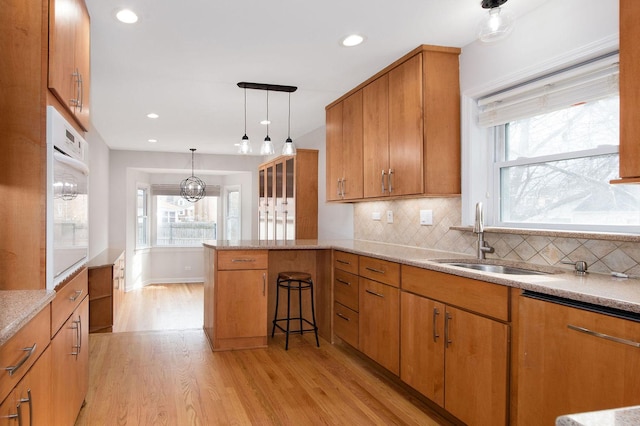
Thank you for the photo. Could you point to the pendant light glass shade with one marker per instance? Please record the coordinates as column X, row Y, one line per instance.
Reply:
column 289, row 148
column 496, row 25
column 192, row 188
column 267, row 145
column 245, row 143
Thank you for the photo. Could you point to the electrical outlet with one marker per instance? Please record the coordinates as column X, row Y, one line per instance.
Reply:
column 426, row 217
column 389, row 216
column 376, row 216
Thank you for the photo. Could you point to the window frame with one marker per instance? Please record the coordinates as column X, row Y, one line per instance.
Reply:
column 147, row 225
column 156, row 218
column 225, row 228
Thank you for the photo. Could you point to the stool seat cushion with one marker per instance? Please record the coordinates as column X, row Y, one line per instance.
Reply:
column 295, row 276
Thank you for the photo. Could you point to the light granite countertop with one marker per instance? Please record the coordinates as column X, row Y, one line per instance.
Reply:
column 18, row 307
column 629, row 416
column 598, row 289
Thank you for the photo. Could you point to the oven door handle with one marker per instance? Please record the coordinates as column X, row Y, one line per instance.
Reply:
column 71, row 162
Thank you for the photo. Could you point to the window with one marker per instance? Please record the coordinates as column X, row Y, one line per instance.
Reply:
column 181, row 223
column 232, row 230
column 556, row 149
column 142, row 217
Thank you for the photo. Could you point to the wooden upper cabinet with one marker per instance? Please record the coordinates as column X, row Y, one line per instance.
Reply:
column 405, row 128
column 344, row 149
column 629, row 92
column 69, row 56
column 410, row 128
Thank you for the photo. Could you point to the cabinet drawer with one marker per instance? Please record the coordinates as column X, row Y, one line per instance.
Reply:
column 478, row 296
column 13, row 354
column 380, row 270
column 346, row 324
column 242, row 259
column 345, row 289
column 68, row 298
column 345, row 261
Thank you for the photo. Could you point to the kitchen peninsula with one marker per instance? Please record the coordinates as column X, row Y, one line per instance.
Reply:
column 496, row 300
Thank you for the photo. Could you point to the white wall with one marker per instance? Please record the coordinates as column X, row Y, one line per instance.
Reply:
column 127, row 168
column 98, row 193
column 556, row 35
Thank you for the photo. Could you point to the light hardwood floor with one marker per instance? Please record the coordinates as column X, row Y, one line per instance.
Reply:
column 172, row 377
column 161, row 307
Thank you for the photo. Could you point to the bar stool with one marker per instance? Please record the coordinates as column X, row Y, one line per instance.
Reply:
column 297, row 281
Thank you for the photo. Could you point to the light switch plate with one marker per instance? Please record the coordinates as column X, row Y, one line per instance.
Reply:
column 426, row 217
column 389, row 216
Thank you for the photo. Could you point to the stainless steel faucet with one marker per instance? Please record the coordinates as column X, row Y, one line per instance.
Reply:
column 478, row 228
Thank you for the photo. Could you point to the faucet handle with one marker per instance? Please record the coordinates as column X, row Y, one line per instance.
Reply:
column 580, row 266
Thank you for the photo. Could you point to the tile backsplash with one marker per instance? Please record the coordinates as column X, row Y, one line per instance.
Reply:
column 602, row 254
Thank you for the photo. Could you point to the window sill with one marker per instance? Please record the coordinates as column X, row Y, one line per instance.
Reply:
column 555, row 233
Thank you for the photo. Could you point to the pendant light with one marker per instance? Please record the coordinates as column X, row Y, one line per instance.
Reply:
column 289, row 148
column 245, row 143
column 192, row 188
column 497, row 24
column 267, row 145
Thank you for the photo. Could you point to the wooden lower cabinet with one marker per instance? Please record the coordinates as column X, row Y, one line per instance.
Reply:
column 564, row 368
column 70, row 356
column 379, row 328
column 455, row 358
column 30, row 401
column 235, row 297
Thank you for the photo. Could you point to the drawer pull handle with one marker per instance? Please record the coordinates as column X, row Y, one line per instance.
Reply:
column 343, row 282
column 436, row 312
column 343, row 317
column 447, row 340
column 242, row 260
column 377, row 271
column 374, row 293
column 344, row 262
column 75, row 296
column 604, row 336
column 29, row 401
column 24, row 359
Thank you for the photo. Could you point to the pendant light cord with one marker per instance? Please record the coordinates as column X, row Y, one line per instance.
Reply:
column 289, row 120
column 193, row 150
column 245, row 111
column 267, row 113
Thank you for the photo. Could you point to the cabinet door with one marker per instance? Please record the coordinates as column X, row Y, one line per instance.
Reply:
column 564, row 370
column 334, row 152
column 31, row 397
column 83, row 63
column 379, row 331
column 63, row 23
column 278, row 200
column 629, row 90
column 376, row 137
column 476, row 352
column 405, row 128
column 352, row 147
column 422, row 345
column 70, row 356
column 241, row 304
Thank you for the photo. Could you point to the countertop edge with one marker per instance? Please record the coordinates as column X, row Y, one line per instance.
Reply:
column 26, row 305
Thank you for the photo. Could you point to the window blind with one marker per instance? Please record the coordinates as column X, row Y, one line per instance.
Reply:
column 580, row 84
column 174, row 190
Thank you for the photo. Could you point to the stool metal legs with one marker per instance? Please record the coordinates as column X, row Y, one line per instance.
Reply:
column 291, row 285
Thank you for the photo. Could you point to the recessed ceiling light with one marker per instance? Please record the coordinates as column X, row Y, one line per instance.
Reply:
column 265, row 122
column 153, row 140
column 152, row 115
column 127, row 16
column 352, row 40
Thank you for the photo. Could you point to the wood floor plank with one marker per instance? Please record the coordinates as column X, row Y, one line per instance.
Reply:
column 173, row 378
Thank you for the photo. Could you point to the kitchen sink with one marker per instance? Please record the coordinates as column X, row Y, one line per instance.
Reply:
column 500, row 269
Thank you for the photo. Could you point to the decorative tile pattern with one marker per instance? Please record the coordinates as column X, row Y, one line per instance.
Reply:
column 602, row 255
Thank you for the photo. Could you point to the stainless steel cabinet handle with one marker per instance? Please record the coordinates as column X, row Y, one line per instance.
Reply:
column 374, row 293
column 343, row 282
column 79, row 334
column 242, row 260
column 343, row 317
column 75, row 102
column 27, row 400
column 264, row 283
column 382, row 181
column 447, row 340
column 435, row 331
column 339, row 188
column 604, row 336
column 343, row 187
column 76, row 347
column 377, row 271
column 80, row 91
column 390, row 181
column 344, row 262
column 13, row 368
column 75, row 296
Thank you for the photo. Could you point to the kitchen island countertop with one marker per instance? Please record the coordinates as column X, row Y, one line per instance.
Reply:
column 597, row 289
column 619, row 417
column 18, row 307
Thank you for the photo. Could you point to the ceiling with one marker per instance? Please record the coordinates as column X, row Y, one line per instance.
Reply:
column 184, row 58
